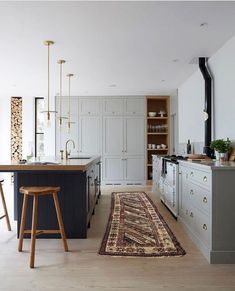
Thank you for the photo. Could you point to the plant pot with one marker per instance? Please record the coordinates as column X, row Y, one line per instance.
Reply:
column 223, row 157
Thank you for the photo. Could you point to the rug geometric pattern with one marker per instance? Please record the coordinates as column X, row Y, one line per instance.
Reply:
column 136, row 228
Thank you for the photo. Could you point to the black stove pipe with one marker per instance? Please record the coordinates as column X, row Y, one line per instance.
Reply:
column 208, row 105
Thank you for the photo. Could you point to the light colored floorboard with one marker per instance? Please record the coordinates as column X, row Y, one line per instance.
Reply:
column 83, row 269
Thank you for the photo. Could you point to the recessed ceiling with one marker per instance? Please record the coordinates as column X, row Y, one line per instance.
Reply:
column 113, row 48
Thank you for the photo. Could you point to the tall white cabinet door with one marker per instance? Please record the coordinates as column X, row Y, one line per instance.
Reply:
column 113, row 106
column 134, row 106
column 89, row 135
column 112, row 169
column 112, row 135
column 134, row 168
column 134, row 135
column 89, row 106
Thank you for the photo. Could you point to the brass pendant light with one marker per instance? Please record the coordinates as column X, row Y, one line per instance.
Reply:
column 61, row 62
column 69, row 113
column 48, row 43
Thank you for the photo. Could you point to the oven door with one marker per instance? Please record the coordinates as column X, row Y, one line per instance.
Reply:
column 171, row 186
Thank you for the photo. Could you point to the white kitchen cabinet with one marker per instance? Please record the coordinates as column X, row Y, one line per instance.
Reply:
column 124, row 105
column 90, row 135
column 113, row 135
column 112, row 127
column 133, row 169
column 206, row 200
column 123, row 137
column 113, row 106
column 134, row 105
column 134, row 135
column 89, row 105
column 113, row 170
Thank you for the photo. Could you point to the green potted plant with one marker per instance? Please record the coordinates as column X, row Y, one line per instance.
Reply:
column 221, row 147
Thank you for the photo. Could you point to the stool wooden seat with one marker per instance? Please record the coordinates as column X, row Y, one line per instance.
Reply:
column 5, row 215
column 36, row 192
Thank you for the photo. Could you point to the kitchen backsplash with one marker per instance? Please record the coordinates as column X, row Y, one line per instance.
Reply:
column 197, row 148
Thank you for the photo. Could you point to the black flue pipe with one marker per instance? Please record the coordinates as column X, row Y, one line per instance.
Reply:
column 208, row 105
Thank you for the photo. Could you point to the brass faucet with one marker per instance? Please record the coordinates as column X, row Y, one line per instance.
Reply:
column 67, row 153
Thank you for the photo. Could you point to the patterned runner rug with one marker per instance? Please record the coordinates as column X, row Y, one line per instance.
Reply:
column 136, row 228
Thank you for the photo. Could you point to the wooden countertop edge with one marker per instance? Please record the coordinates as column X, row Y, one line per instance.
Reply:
column 52, row 167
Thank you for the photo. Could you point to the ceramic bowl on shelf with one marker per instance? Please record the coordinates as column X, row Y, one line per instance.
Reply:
column 152, row 114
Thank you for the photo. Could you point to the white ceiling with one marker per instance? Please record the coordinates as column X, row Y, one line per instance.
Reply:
column 129, row 44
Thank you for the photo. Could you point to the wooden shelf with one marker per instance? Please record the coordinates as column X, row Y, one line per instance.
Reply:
column 157, row 129
column 157, row 133
column 157, row 149
column 158, row 118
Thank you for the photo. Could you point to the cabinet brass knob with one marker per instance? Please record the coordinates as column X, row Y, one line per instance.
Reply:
column 204, row 226
column 191, row 174
column 191, row 192
column 204, row 200
column 205, row 178
column 191, row 214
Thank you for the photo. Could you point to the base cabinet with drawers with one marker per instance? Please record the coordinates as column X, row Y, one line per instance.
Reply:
column 207, row 208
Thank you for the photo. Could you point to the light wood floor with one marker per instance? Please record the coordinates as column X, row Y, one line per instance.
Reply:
column 82, row 269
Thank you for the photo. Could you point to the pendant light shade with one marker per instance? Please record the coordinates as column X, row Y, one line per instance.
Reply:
column 61, row 62
column 48, row 112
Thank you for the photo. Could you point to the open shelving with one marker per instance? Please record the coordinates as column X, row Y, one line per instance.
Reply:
column 157, row 129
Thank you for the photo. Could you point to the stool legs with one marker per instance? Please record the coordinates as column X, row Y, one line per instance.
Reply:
column 5, row 208
column 60, row 221
column 34, row 231
column 22, row 224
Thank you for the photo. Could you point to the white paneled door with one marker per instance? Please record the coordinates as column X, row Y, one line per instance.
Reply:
column 89, row 135
column 133, row 135
column 112, row 135
column 113, row 169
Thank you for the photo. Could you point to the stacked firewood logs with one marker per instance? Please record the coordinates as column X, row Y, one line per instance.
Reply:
column 16, row 128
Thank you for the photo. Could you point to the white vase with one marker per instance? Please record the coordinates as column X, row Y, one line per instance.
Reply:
column 217, row 155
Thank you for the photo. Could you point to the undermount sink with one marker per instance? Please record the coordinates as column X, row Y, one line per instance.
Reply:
column 79, row 158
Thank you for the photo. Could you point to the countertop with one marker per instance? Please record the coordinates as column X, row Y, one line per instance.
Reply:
column 213, row 164
column 50, row 164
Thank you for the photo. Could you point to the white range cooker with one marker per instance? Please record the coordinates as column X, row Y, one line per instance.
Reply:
column 166, row 180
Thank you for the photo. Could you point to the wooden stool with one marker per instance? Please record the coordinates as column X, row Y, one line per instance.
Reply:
column 4, row 207
column 36, row 192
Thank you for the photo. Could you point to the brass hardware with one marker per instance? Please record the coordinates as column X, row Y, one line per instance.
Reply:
column 204, row 226
column 191, row 214
column 61, row 62
column 191, row 192
column 205, row 179
column 69, row 114
column 191, row 174
column 48, row 43
column 67, row 153
column 204, row 200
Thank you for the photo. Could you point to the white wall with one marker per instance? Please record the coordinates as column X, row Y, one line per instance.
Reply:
column 191, row 98
column 190, row 106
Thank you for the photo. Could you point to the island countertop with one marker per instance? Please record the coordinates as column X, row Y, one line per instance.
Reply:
column 51, row 164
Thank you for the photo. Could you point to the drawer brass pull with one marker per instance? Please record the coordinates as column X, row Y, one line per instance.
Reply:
column 204, row 200
column 191, row 192
column 191, row 214
column 204, row 226
column 191, row 174
column 205, row 179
